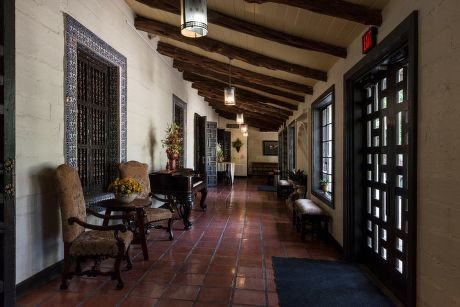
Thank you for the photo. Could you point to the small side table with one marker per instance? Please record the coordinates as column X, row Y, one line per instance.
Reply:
column 137, row 206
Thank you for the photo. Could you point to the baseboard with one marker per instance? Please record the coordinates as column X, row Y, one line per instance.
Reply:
column 39, row 279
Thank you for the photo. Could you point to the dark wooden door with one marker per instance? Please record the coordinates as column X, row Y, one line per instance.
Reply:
column 386, row 177
column 211, row 156
column 200, row 144
column 7, row 155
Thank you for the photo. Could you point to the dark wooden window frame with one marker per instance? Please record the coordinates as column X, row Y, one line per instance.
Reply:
column 316, row 145
column 404, row 34
column 179, row 103
column 7, row 226
column 291, row 130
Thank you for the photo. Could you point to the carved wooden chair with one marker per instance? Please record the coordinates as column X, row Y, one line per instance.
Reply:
column 153, row 216
column 99, row 243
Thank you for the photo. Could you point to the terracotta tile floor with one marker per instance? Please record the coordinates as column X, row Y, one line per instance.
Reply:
column 224, row 260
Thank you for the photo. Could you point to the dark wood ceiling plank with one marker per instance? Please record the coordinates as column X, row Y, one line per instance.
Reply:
column 188, row 68
column 255, row 122
column 235, row 24
column 232, row 52
column 247, row 75
column 240, row 93
column 249, row 105
column 335, row 8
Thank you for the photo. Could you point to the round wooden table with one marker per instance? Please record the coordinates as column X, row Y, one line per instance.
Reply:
column 138, row 205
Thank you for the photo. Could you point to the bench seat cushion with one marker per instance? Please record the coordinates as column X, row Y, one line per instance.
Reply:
column 284, row 182
column 307, row 206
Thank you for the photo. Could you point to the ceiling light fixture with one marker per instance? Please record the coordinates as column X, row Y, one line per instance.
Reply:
column 229, row 92
column 245, row 134
column 244, row 128
column 193, row 18
column 240, row 118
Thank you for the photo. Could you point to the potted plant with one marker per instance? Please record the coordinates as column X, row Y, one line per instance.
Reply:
column 219, row 153
column 237, row 144
column 173, row 144
column 126, row 189
column 298, row 177
column 324, row 185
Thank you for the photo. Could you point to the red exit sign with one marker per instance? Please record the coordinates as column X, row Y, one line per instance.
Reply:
column 369, row 39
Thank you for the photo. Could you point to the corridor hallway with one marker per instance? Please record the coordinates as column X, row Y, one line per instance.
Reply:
column 224, row 260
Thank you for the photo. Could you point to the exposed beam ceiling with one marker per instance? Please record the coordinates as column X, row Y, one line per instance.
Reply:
column 254, row 122
column 336, row 8
column 199, row 70
column 232, row 52
column 262, row 109
column 235, row 24
column 247, row 95
column 249, row 76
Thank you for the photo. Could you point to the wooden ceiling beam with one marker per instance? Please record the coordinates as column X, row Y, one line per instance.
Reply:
column 250, row 96
column 235, row 24
column 188, row 68
column 243, row 108
column 249, row 76
column 250, row 114
column 252, row 107
column 335, row 8
column 251, row 121
column 232, row 52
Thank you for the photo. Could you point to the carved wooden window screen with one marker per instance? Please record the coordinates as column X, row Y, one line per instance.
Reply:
column 93, row 123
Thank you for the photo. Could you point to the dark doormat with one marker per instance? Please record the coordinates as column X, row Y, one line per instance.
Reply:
column 266, row 188
column 307, row 282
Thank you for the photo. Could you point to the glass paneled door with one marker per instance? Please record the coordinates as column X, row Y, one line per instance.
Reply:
column 386, row 182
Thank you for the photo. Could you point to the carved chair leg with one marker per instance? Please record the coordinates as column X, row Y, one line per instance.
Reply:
column 129, row 264
column 66, row 270
column 170, row 229
column 116, row 273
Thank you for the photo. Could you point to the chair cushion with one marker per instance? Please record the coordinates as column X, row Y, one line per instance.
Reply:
column 72, row 201
column 284, row 182
column 307, row 206
column 95, row 243
column 153, row 215
column 157, row 214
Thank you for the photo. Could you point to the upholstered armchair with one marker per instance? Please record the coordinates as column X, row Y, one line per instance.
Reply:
column 153, row 216
column 100, row 242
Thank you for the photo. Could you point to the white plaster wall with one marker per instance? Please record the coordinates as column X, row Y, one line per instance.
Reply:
column 239, row 158
column 40, row 114
column 438, row 251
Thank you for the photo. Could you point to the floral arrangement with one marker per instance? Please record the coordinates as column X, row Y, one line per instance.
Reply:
column 125, row 186
column 219, row 153
column 173, row 140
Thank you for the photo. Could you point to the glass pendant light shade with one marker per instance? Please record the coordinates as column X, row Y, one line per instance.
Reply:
column 229, row 96
column 193, row 18
column 245, row 134
column 240, row 118
column 244, row 128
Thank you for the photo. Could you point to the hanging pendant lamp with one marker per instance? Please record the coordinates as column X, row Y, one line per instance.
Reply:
column 245, row 134
column 193, row 18
column 244, row 128
column 240, row 118
column 229, row 92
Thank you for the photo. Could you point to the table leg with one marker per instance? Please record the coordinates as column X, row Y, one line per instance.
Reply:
column 107, row 214
column 141, row 227
column 204, row 194
column 188, row 204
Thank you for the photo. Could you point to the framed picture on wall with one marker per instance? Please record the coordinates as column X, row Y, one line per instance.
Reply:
column 270, row 148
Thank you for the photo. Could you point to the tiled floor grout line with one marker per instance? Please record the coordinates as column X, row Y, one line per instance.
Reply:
column 213, row 255
column 175, row 241
column 238, row 253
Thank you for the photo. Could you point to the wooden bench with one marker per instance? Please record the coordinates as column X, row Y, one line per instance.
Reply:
column 284, row 189
column 305, row 211
column 263, row 168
